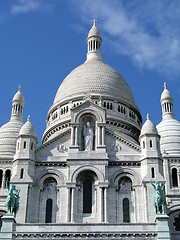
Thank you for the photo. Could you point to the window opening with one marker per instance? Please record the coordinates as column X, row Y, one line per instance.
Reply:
column 7, row 178
column 49, row 204
column 150, row 143
column 1, row 177
column 126, row 216
column 87, row 196
column 24, row 146
column 174, row 177
column 22, row 173
column 152, row 172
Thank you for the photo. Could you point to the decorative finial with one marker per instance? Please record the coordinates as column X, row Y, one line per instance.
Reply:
column 94, row 20
column 147, row 116
column 165, row 85
column 29, row 118
column 19, row 88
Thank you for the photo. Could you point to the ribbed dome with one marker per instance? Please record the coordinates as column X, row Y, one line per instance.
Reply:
column 28, row 129
column 169, row 127
column 18, row 97
column 148, row 127
column 94, row 77
column 8, row 135
column 10, row 131
column 169, row 130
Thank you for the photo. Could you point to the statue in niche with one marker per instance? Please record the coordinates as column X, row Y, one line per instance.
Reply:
column 88, row 137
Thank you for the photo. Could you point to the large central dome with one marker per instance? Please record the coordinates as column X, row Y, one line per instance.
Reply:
column 102, row 85
column 94, row 77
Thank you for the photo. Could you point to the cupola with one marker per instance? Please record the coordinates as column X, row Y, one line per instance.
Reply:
column 151, row 159
column 94, row 41
column 17, row 105
column 10, row 130
column 149, row 139
column 167, row 103
column 169, row 127
column 26, row 141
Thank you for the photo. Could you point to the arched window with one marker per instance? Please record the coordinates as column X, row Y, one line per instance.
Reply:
column 49, row 204
column 152, row 173
column 126, row 215
column 1, row 177
column 21, row 173
column 143, row 144
column 24, row 145
column 7, row 178
column 31, row 146
column 150, row 143
column 87, row 196
column 174, row 177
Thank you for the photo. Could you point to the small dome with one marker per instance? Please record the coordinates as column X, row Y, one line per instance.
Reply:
column 148, row 127
column 18, row 97
column 8, row 135
column 28, row 129
column 94, row 31
column 169, row 130
column 166, row 94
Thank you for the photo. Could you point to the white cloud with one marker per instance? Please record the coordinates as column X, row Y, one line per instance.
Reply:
column 146, row 31
column 24, row 6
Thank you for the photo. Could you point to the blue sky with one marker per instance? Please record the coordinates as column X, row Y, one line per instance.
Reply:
column 43, row 40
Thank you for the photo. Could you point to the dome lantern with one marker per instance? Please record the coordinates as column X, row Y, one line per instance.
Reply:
column 167, row 104
column 17, row 105
column 94, row 41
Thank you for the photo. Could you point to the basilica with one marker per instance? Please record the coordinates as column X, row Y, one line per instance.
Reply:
column 97, row 172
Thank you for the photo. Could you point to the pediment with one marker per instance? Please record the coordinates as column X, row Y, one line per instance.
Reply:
column 55, row 147
column 88, row 107
column 118, row 146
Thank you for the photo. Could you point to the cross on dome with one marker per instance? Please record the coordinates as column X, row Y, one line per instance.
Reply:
column 94, row 21
column 19, row 88
column 165, row 85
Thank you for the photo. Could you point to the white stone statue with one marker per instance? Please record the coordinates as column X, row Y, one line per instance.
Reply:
column 88, row 137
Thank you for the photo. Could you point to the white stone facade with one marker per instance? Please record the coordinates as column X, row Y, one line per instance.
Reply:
column 70, row 191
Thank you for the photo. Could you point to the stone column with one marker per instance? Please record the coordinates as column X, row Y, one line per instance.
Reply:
column 145, row 203
column 102, row 204
column 76, row 134
column 103, row 134
column 105, row 205
column 99, row 135
column 103, row 200
column 69, row 205
column 72, row 204
column 70, row 209
column 72, row 135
